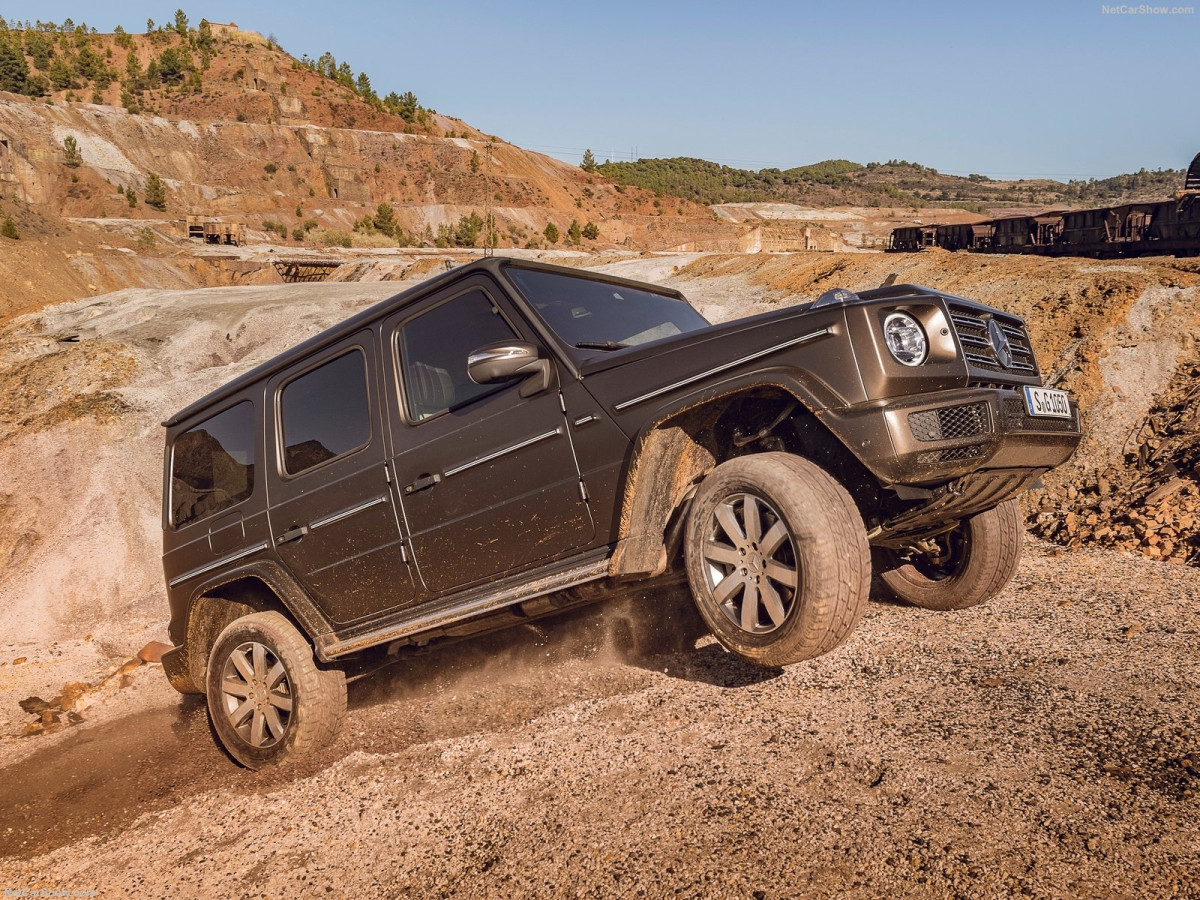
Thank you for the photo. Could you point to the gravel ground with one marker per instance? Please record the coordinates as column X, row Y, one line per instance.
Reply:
column 1045, row 745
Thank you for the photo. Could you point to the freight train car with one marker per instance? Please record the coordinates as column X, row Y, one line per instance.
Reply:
column 1131, row 229
column 913, row 238
column 966, row 237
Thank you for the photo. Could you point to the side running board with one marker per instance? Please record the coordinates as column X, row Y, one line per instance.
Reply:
column 466, row 605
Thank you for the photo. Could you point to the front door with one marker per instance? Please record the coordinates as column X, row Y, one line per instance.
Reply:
column 333, row 512
column 488, row 478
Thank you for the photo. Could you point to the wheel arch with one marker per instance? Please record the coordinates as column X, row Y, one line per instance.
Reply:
column 258, row 587
column 679, row 446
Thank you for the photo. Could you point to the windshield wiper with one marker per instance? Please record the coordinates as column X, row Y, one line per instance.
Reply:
column 601, row 345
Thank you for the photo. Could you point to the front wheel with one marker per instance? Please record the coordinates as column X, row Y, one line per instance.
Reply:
column 963, row 567
column 267, row 698
column 777, row 558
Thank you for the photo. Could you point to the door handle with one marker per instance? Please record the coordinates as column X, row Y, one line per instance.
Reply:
column 293, row 534
column 425, row 481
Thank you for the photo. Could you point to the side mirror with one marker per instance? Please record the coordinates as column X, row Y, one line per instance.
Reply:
column 503, row 361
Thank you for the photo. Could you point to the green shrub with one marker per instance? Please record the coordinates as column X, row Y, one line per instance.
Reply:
column 9, row 229
column 336, row 237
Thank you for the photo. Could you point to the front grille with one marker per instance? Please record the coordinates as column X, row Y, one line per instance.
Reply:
column 971, row 326
column 1017, row 418
column 949, row 422
column 953, row 454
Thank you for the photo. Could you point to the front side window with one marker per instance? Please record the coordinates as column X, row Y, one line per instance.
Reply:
column 434, row 348
column 596, row 315
column 325, row 413
column 212, row 465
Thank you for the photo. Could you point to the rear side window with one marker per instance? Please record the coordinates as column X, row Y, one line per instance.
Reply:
column 325, row 414
column 434, row 348
column 212, row 465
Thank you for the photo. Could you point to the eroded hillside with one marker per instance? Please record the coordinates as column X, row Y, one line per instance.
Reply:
column 219, row 122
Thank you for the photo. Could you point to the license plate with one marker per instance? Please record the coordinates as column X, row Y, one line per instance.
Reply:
column 1047, row 402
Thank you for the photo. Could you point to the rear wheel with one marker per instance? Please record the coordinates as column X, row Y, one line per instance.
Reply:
column 267, row 698
column 777, row 558
column 963, row 567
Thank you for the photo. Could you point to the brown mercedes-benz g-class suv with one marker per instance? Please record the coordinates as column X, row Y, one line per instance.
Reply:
column 511, row 438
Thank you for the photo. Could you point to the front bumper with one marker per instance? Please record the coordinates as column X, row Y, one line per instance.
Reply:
column 934, row 438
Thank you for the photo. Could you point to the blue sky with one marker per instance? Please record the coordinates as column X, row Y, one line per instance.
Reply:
column 1012, row 89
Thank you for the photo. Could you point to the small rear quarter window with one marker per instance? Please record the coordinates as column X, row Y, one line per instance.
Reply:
column 212, row 465
column 325, row 413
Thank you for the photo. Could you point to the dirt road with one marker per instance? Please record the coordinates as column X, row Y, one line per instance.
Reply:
column 1047, row 744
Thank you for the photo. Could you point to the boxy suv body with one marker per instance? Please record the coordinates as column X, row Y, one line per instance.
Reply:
column 511, row 438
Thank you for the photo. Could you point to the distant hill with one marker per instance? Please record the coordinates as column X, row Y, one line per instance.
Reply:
column 897, row 183
column 209, row 119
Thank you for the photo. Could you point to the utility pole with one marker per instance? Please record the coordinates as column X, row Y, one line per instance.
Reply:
column 488, row 227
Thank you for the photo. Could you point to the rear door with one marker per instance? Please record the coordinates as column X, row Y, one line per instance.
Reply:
column 488, row 477
column 333, row 512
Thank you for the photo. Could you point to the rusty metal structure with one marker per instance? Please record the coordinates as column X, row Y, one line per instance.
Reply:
column 304, row 270
column 212, row 231
column 1166, row 227
column 964, row 237
column 916, row 237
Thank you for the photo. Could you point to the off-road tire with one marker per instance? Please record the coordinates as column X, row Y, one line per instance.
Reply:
column 828, row 552
column 316, row 696
column 988, row 553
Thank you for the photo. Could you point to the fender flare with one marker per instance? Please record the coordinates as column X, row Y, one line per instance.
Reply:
column 667, row 461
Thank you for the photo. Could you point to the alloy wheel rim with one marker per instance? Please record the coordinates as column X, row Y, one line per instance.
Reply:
column 750, row 564
column 256, row 694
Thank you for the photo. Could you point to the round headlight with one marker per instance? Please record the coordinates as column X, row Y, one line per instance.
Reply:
column 905, row 339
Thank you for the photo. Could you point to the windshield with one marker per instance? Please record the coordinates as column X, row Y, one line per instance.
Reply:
column 595, row 315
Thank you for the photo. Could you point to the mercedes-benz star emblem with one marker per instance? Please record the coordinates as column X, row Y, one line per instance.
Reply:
column 1000, row 343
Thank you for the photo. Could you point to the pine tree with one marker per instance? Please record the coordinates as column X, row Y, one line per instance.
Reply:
column 9, row 229
column 385, row 219
column 589, row 161
column 60, row 75
column 575, row 232
column 71, row 155
column 14, row 71
column 156, row 192
column 591, row 231
column 551, row 232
